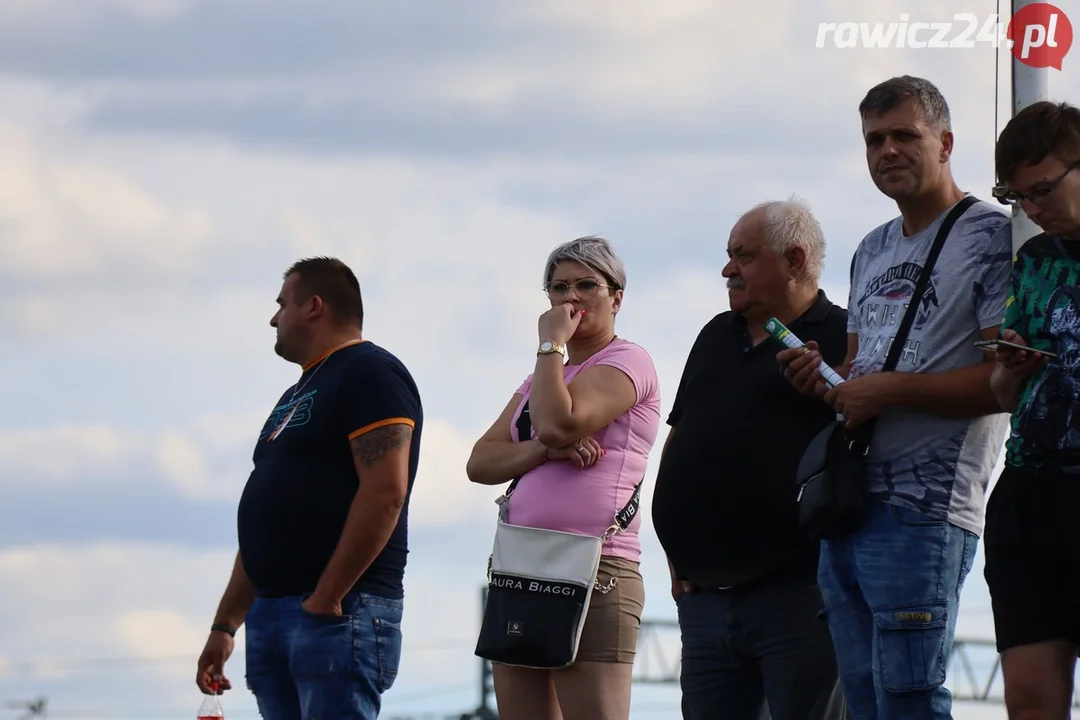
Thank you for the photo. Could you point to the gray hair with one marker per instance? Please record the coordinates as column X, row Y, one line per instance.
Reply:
column 791, row 224
column 885, row 96
column 593, row 252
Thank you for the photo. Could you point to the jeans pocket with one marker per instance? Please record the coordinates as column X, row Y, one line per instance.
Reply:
column 348, row 610
column 388, row 637
column 911, row 646
column 386, row 627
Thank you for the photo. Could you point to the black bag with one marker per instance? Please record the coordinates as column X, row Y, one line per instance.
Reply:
column 831, row 476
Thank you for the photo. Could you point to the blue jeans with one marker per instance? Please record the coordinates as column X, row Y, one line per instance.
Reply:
column 891, row 593
column 302, row 666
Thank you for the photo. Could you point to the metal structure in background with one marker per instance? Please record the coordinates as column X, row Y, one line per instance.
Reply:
column 974, row 670
column 34, row 708
column 974, row 667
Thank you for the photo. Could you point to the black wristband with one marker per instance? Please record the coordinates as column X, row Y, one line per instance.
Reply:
column 223, row 628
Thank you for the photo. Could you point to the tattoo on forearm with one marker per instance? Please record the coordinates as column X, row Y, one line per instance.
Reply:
column 371, row 447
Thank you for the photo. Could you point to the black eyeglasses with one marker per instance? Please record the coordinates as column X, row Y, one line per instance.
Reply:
column 585, row 288
column 1037, row 195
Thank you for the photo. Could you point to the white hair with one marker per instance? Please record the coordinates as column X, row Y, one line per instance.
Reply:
column 791, row 224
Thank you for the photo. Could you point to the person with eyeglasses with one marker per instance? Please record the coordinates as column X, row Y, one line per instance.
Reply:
column 594, row 418
column 1032, row 544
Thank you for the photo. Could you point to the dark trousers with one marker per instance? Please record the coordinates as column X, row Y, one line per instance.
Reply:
column 740, row 649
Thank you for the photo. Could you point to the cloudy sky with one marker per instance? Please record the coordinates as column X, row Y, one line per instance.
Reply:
column 161, row 163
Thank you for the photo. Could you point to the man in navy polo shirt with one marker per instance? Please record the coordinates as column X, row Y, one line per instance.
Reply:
column 323, row 519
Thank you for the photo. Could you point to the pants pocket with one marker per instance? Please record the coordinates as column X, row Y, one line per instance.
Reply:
column 385, row 618
column 911, row 646
column 388, row 637
column 322, row 646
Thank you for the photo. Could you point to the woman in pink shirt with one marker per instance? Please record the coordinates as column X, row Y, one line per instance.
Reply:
column 595, row 420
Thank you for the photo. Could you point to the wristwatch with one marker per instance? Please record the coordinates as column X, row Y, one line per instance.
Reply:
column 549, row 347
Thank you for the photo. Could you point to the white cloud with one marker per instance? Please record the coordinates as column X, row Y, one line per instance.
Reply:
column 443, row 495
column 106, row 602
column 103, row 455
column 664, row 67
column 184, row 466
column 173, row 632
column 210, row 459
column 59, row 453
column 67, row 220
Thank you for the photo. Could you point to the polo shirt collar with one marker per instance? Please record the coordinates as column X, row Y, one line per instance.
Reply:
column 818, row 312
column 815, row 314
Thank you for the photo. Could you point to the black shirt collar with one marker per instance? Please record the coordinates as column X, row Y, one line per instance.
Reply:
column 818, row 311
column 815, row 314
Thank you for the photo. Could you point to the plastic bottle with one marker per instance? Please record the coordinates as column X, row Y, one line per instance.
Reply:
column 211, row 706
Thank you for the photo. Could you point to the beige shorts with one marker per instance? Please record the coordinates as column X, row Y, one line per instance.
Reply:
column 613, row 620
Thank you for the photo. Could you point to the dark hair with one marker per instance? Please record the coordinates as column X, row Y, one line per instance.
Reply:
column 1041, row 129
column 334, row 282
column 883, row 97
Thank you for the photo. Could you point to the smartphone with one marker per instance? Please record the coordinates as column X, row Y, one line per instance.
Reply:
column 992, row 345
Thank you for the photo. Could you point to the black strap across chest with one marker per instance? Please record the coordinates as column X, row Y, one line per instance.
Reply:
column 622, row 519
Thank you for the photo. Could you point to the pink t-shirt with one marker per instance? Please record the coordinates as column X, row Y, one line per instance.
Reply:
column 557, row 495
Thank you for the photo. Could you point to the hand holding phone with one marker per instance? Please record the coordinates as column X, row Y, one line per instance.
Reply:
column 1013, row 354
column 996, row 345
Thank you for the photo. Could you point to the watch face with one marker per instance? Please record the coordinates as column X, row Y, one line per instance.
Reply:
column 546, row 345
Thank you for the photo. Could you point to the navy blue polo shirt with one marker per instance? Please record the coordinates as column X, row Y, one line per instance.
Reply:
column 297, row 498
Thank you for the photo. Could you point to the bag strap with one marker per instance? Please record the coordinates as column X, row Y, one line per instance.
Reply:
column 897, row 346
column 524, row 432
column 860, row 436
column 622, row 519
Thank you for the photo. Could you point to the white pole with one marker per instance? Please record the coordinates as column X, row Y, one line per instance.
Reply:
column 1029, row 85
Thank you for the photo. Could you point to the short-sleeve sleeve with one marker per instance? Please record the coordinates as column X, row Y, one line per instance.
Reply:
column 524, row 388
column 691, row 361
column 992, row 284
column 636, row 362
column 852, row 317
column 676, row 406
column 377, row 391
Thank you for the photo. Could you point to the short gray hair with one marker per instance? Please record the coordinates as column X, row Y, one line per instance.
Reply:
column 790, row 224
column 593, row 252
column 883, row 97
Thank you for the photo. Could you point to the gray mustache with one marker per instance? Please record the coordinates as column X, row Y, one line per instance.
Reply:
column 735, row 284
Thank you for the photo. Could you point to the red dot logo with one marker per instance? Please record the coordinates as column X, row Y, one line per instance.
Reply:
column 1041, row 35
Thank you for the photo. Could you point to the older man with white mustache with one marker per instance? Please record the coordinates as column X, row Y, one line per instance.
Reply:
column 743, row 574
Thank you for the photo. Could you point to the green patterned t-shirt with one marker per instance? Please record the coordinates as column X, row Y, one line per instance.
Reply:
column 1044, row 309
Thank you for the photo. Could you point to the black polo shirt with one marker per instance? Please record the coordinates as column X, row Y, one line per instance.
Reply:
column 724, row 504
column 296, row 500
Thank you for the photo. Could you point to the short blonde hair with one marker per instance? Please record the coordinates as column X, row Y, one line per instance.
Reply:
column 593, row 252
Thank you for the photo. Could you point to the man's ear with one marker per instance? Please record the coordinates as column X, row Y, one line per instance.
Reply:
column 947, row 141
column 796, row 262
column 315, row 306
